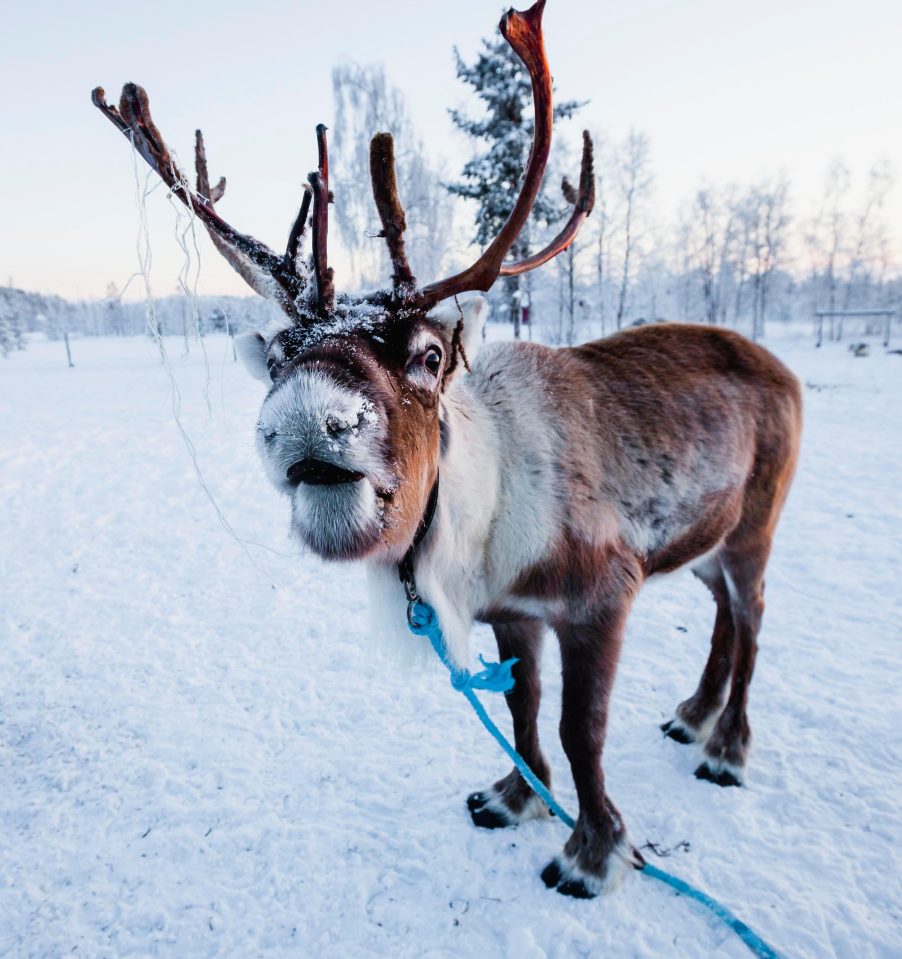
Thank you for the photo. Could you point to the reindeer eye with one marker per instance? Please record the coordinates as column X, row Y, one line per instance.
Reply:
column 432, row 360
column 274, row 366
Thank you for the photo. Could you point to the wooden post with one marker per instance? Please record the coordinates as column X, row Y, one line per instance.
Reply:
column 68, row 351
column 231, row 333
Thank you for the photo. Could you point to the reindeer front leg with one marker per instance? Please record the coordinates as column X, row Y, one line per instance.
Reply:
column 511, row 799
column 598, row 852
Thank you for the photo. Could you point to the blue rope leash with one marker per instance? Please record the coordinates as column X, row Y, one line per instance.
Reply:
column 498, row 678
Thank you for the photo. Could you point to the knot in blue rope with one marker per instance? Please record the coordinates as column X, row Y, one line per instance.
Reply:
column 493, row 678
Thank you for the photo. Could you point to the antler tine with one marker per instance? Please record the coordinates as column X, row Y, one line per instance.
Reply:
column 391, row 212
column 523, row 31
column 213, row 194
column 322, row 153
column 236, row 260
column 319, row 181
column 259, row 282
column 296, row 236
column 583, row 203
column 133, row 119
column 98, row 98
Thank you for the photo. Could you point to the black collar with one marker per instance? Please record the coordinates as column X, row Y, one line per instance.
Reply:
column 405, row 567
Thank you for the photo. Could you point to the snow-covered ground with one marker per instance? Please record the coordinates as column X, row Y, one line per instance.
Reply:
column 203, row 758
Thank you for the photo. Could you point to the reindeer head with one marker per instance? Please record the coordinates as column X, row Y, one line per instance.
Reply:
column 351, row 427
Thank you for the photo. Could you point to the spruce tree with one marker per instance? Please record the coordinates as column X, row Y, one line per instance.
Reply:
column 493, row 176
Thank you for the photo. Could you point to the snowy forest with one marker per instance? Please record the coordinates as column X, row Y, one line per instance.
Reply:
column 743, row 255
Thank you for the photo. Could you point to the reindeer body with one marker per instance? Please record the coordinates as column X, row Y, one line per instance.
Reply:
column 567, row 477
column 570, row 476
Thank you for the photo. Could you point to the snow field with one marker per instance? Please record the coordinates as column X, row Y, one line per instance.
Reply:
column 199, row 758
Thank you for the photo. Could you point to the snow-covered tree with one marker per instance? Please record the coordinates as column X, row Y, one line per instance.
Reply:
column 12, row 324
column 633, row 183
column 764, row 217
column 868, row 254
column 6, row 330
column 115, row 319
column 827, row 239
column 707, row 237
column 492, row 177
column 601, row 230
column 365, row 104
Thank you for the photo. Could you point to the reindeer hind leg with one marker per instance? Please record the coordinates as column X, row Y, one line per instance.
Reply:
column 695, row 717
column 743, row 559
column 726, row 750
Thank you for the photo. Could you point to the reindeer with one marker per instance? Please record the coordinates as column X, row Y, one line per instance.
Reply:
column 521, row 486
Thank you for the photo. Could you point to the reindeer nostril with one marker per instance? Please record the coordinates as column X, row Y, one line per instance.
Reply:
column 336, row 424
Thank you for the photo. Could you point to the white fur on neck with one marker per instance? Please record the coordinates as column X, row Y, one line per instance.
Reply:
column 498, row 453
column 449, row 562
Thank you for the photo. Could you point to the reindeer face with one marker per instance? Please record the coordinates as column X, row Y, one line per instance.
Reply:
column 350, row 429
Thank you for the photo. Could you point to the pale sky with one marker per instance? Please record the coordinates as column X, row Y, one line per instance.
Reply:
column 726, row 91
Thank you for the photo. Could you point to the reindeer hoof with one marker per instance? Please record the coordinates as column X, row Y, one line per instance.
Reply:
column 675, row 730
column 555, row 878
column 551, row 874
column 575, row 888
column 720, row 777
column 493, row 809
column 485, row 813
column 565, row 874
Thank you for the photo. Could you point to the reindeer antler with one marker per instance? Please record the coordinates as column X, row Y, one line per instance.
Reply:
column 253, row 260
column 215, row 194
column 259, row 281
column 319, row 181
column 294, row 248
column 284, row 278
column 391, row 213
column 523, row 31
column 583, row 204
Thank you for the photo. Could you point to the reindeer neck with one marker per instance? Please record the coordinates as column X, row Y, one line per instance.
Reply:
column 495, row 513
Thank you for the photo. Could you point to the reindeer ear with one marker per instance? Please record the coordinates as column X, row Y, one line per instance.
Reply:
column 474, row 310
column 251, row 347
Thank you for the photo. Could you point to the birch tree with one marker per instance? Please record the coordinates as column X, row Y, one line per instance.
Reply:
column 634, row 182
column 365, row 104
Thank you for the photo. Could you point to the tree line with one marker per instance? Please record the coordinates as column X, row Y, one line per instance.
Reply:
column 23, row 313
column 735, row 255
